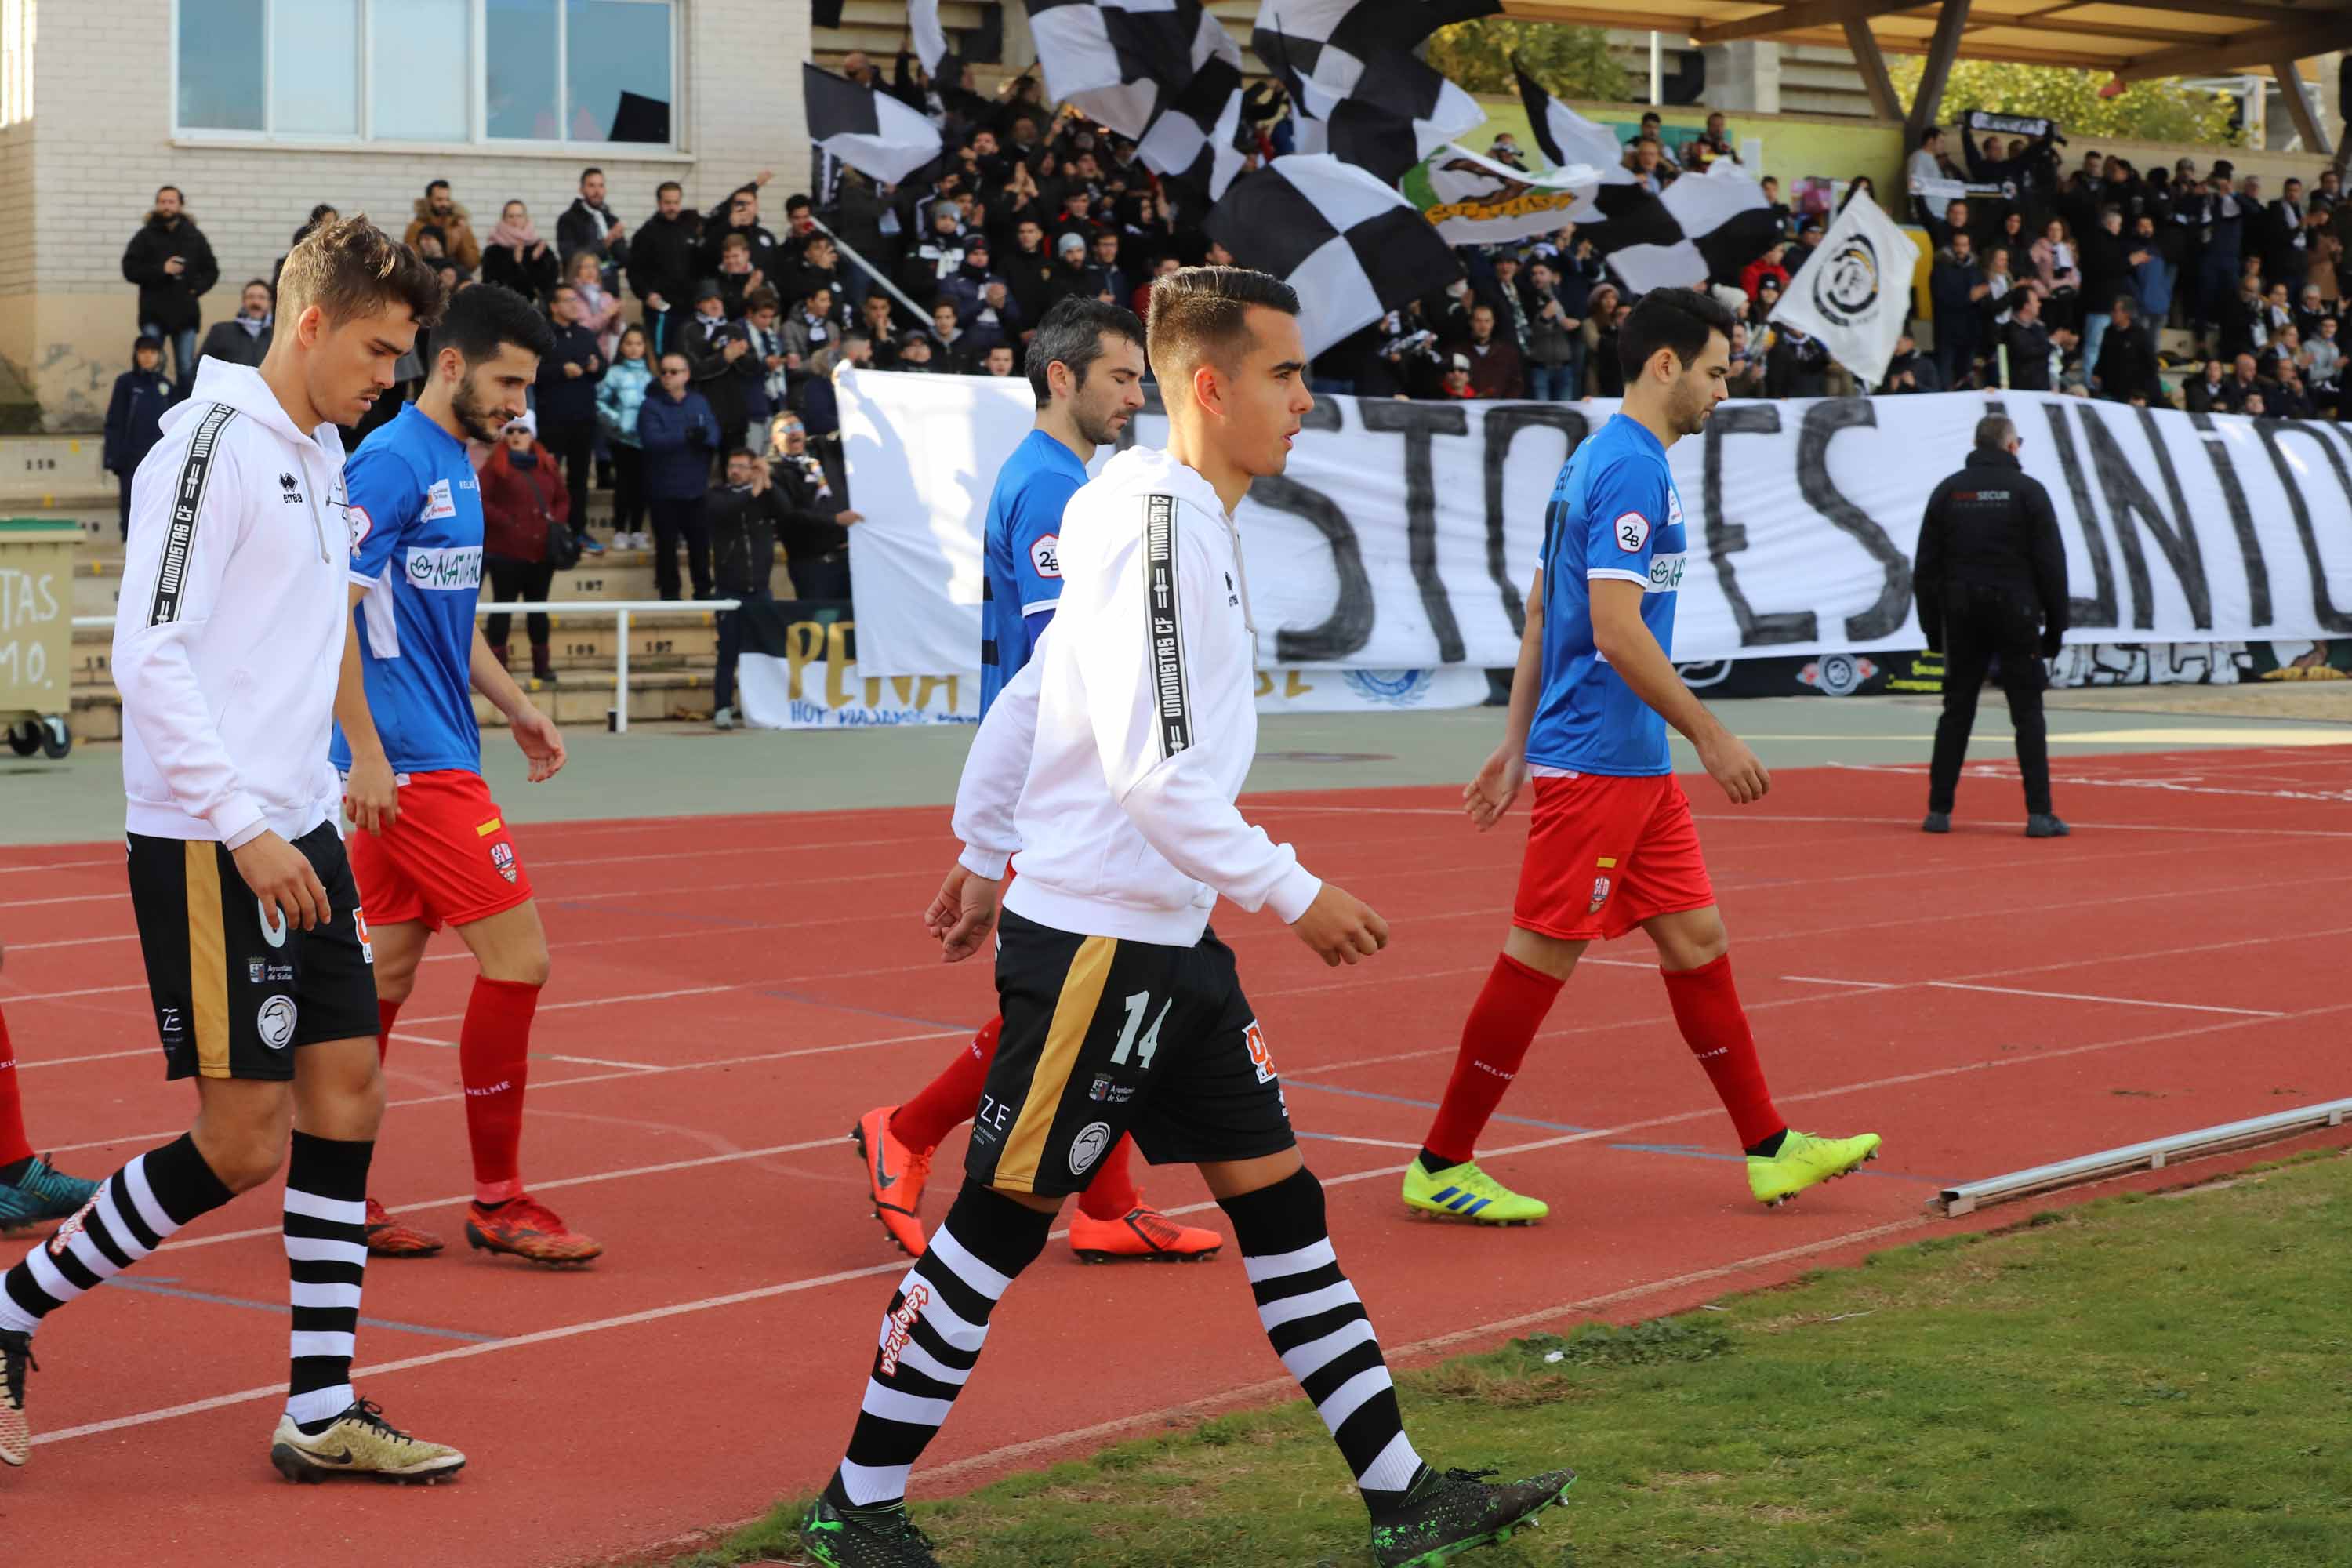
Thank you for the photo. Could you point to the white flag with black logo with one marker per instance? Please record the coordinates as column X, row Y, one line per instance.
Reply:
column 1120, row 61
column 1352, row 247
column 871, row 132
column 1856, row 293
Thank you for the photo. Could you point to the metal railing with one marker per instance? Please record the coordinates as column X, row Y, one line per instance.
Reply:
column 622, row 608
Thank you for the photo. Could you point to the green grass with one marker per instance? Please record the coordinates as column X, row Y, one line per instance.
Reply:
column 2144, row 1381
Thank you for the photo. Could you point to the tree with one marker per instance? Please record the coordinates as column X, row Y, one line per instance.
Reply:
column 2146, row 110
column 1570, row 62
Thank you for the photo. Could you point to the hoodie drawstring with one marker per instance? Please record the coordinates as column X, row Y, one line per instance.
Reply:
column 1241, row 565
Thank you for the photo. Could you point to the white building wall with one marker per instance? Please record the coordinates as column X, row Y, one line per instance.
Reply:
column 79, row 177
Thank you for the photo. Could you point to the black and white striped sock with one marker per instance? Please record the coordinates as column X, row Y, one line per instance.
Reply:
column 326, row 1259
column 1319, row 1327
column 130, row 1217
column 931, row 1339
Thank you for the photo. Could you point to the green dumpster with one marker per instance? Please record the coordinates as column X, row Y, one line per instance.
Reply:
column 36, row 634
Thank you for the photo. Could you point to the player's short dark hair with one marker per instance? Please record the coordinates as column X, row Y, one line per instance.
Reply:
column 1072, row 332
column 350, row 269
column 432, row 185
column 765, row 298
column 745, row 453
column 1995, row 432
column 480, row 322
column 796, row 201
column 1203, row 313
column 669, row 186
column 1677, row 319
column 591, row 169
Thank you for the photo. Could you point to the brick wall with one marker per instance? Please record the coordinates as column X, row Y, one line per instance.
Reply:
column 76, row 181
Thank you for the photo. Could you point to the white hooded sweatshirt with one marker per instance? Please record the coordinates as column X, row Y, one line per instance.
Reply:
column 1143, row 704
column 228, row 639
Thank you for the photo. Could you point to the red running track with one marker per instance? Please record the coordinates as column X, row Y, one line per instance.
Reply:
column 729, row 993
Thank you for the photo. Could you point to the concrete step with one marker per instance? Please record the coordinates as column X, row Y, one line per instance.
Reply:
column 36, row 470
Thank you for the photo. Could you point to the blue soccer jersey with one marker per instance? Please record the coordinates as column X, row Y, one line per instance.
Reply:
column 1613, row 513
column 417, row 548
column 1024, row 576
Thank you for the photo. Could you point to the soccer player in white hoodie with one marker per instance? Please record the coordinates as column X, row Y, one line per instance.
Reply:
column 1123, row 1013
column 228, row 644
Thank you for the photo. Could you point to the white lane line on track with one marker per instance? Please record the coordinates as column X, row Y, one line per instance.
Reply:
column 2113, row 1001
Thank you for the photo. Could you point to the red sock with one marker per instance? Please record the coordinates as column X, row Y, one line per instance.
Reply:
column 494, row 1061
column 1112, row 1192
column 1495, row 1041
column 949, row 1100
column 386, row 1013
column 13, row 1146
column 1715, row 1026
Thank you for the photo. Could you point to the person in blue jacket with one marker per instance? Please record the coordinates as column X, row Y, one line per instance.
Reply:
column 134, row 418
column 678, row 433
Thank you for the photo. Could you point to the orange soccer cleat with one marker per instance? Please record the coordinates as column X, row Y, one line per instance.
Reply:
column 525, row 1227
column 1143, row 1234
column 895, row 1177
column 389, row 1237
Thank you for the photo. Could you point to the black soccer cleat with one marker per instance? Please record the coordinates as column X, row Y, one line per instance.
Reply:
column 2043, row 825
column 1937, row 822
column 1454, row 1511
column 864, row 1537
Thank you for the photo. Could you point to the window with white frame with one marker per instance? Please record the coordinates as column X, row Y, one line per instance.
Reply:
column 551, row 73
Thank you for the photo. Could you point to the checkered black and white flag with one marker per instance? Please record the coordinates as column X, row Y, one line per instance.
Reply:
column 1702, row 226
column 1352, row 247
column 1120, row 61
column 871, row 132
column 1362, row 95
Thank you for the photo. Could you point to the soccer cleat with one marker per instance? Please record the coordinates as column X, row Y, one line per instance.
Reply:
column 1456, row 1511
column 1805, row 1161
column 864, row 1537
column 525, row 1227
column 2042, row 825
column 1141, row 1235
column 895, row 1175
column 1937, row 822
column 16, row 1361
column 359, row 1442
column 42, row 1193
column 1466, row 1191
column 389, row 1237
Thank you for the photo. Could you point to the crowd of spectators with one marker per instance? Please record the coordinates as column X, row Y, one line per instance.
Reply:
column 693, row 335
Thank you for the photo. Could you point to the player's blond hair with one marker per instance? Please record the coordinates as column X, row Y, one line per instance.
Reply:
column 350, row 268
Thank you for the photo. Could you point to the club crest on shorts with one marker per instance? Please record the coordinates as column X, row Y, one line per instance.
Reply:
column 502, row 857
column 1600, row 895
column 1089, row 1146
column 1260, row 1057
column 359, row 925
column 275, row 1022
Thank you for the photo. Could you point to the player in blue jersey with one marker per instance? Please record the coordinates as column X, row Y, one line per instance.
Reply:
column 1086, row 366
column 1613, row 845
column 434, row 849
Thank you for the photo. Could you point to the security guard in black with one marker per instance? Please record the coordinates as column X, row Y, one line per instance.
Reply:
column 1990, row 578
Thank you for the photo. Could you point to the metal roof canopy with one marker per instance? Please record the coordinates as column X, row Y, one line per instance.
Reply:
column 2140, row 41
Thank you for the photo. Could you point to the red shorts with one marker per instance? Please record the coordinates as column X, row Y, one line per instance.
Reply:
column 447, row 860
column 1604, row 854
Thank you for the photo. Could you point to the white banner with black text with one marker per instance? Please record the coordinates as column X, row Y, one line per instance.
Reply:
column 1403, row 535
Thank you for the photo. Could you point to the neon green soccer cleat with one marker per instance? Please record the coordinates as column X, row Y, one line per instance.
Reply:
column 1466, row 1191
column 1805, row 1161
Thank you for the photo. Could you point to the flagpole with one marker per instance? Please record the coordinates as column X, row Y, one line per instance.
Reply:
column 1657, row 79
column 880, row 277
